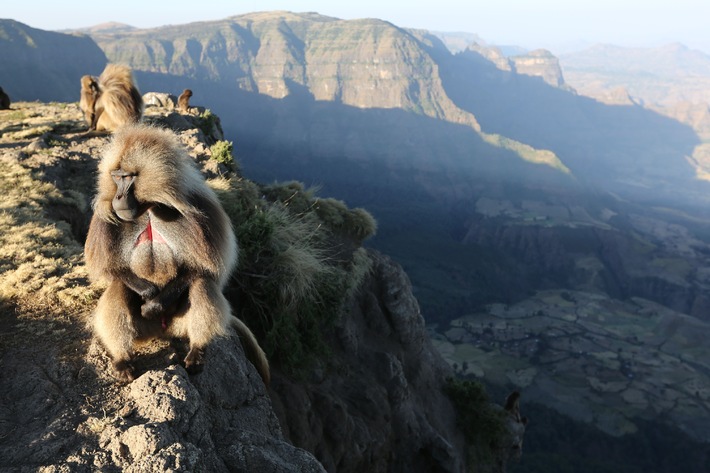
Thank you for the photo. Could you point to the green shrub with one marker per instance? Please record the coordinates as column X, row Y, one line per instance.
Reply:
column 207, row 121
column 292, row 194
column 289, row 290
column 222, row 152
column 482, row 423
column 357, row 223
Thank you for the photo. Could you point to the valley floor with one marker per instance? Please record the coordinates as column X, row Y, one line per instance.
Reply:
column 595, row 359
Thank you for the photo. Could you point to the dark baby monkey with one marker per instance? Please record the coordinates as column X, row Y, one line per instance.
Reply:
column 184, row 101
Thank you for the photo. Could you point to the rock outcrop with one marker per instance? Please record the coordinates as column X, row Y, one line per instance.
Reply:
column 540, row 63
column 380, row 405
column 365, row 63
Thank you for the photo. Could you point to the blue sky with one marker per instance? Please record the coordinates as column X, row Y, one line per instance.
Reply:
column 555, row 24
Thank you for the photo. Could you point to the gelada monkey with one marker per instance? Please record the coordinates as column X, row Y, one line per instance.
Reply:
column 111, row 100
column 4, row 100
column 164, row 245
column 184, row 101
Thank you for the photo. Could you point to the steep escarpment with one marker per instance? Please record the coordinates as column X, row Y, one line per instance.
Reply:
column 362, row 63
column 385, row 409
column 624, row 252
column 538, row 63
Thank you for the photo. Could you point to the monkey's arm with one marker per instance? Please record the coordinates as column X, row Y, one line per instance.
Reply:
column 103, row 258
column 95, row 118
column 169, row 295
column 208, row 232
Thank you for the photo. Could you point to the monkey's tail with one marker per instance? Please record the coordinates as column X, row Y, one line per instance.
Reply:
column 252, row 349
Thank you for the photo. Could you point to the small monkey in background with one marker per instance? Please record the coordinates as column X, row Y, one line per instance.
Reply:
column 184, row 101
column 161, row 240
column 4, row 100
column 111, row 100
column 512, row 447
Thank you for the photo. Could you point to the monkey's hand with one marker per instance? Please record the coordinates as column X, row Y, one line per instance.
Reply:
column 145, row 289
column 194, row 361
column 169, row 296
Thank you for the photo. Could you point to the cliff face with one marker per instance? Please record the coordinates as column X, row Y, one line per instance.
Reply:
column 376, row 404
column 642, row 257
column 43, row 65
column 380, row 407
column 540, row 63
column 362, row 63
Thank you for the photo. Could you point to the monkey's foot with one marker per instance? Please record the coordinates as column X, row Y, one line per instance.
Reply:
column 194, row 361
column 123, row 371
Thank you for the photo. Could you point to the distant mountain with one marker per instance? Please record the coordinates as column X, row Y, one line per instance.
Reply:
column 356, row 68
column 109, row 28
column 44, row 65
column 538, row 63
column 326, row 76
column 457, row 41
column 672, row 79
column 672, row 61
column 275, row 53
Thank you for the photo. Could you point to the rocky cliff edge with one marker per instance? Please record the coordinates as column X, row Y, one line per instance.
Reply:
column 375, row 405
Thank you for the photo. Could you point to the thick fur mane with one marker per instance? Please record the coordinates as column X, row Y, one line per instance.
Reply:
column 170, row 170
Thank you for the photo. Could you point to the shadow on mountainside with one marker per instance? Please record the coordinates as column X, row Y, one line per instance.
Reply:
column 421, row 177
column 412, row 172
column 627, row 149
column 45, row 65
column 317, row 139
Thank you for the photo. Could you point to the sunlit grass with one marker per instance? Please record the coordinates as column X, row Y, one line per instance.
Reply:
column 40, row 262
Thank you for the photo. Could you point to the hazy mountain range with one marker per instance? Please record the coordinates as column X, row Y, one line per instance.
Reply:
column 495, row 177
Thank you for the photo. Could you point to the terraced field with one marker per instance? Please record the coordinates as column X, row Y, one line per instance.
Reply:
column 596, row 359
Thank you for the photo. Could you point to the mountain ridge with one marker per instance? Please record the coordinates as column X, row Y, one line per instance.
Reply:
column 44, row 65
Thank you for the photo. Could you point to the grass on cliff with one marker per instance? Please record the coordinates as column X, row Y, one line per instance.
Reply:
column 40, row 262
column 296, row 268
column 526, row 152
column 223, row 152
column 482, row 424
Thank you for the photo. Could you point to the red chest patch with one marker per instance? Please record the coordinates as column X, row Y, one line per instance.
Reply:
column 149, row 235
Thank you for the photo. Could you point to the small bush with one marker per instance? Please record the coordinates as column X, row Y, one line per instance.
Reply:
column 289, row 290
column 292, row 194
column 222, row 152
column 207, row 122
column 238, row 196
column 357, row 223
column 482, row 423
